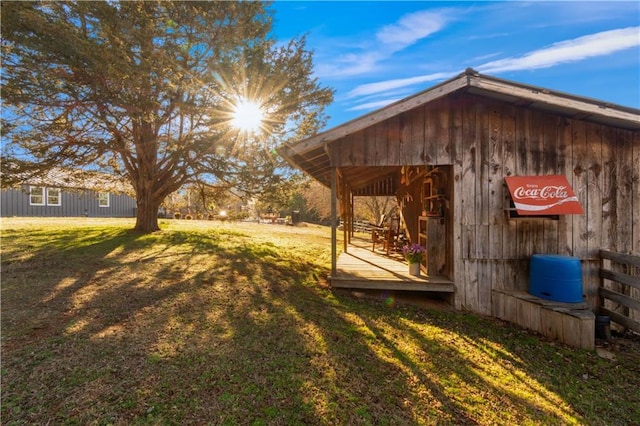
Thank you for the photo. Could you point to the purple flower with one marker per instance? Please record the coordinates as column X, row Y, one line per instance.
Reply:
column 414, row 253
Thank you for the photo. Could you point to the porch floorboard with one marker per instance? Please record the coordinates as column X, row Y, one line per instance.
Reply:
column 361, row 268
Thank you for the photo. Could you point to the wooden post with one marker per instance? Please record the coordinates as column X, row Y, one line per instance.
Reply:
column 334, row 221
column 346, row 215
column 351, row 214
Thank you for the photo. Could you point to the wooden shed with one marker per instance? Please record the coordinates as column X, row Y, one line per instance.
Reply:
column 445, row 153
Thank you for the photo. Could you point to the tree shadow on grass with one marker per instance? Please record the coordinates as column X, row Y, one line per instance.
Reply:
column 193, row 327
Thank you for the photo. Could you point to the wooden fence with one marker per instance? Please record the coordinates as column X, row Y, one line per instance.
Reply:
column 620, row 288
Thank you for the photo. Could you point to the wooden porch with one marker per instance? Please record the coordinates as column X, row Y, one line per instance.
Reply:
column 362, row 268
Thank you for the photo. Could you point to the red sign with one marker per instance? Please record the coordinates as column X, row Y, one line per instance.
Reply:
column 543, row 195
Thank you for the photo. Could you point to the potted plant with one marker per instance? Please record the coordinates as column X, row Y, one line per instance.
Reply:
column 414, row 253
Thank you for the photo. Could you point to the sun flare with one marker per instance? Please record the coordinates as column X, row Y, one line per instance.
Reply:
column 247, row 116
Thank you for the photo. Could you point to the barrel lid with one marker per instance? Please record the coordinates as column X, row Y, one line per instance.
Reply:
column 555, row 257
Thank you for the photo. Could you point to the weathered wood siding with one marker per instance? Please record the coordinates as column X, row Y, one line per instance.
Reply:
column 486, row 140
column 15, row 202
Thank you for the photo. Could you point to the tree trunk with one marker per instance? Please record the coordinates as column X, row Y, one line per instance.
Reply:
column 146, row 214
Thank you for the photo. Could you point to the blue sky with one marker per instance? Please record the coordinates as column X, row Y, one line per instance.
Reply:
column 376, row 52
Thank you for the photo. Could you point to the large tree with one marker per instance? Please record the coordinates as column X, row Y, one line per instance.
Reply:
column 148, row 91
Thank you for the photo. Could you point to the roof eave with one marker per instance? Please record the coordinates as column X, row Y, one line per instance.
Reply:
column 391, row 110
column 624, row 117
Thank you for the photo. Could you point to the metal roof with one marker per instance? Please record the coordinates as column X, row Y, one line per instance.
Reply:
column 312, row 154
column 59, row 177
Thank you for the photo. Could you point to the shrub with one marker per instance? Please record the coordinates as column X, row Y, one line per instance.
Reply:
column 177, row 215
column 188, row 217
column 237, row 215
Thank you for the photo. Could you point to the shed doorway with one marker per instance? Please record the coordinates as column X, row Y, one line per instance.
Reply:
column 427, row 213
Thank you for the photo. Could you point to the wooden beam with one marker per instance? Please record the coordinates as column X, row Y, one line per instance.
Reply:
column 629, row 259
column 621, row 319
column 620, row 278
column 620, row 298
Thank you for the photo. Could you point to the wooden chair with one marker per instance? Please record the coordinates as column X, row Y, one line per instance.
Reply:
column 378, row 233
column 392, row 235
column 387, row 233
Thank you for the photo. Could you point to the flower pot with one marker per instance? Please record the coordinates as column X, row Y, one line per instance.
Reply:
column 414, row 269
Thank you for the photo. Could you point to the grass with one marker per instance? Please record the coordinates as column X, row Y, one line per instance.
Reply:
column 228, row 324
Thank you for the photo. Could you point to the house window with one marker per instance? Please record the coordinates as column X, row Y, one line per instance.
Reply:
column 103, row 199
column 53, row 197
column 36, row 196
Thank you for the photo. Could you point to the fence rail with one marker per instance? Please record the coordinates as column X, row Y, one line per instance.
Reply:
column 620, row 288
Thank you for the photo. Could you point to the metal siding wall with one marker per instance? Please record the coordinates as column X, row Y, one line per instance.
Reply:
column 88, row 200
column 15, row 202
column 11, row 201
column 4, row 205
column 22, row 207
column 69, row 207
column 122, row 205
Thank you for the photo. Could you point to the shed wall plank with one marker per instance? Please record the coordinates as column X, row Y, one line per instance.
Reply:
column 580, row 187
column 393, row 138
column 430, row 133
column 594, row 191
column 496, row 185
column 609, row 189
column 635, row 201
column 470, row 280
column 417, row 140
column 564, row 167
column 442, row 134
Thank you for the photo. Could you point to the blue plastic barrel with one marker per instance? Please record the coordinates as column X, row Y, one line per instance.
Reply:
column 555, row 277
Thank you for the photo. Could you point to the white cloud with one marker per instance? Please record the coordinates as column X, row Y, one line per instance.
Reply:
column 383, row 86
column 399, row 93
column 592, row 45
column 410, row 29
column 588, row 46
column 373, row 105
column 390, row 39
column 348, row 65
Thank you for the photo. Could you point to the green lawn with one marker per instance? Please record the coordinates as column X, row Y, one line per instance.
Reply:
column 219, row 323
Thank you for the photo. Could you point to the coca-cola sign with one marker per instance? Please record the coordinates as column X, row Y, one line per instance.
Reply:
column 543, row 195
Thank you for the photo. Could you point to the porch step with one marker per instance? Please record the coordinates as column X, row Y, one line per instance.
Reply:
column 433, row 284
